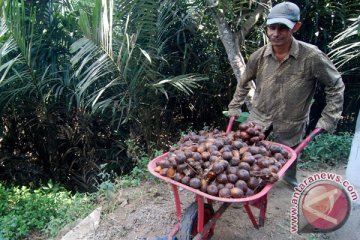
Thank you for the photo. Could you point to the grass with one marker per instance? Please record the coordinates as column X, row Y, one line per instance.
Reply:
column 110, row 183
column 139, row 173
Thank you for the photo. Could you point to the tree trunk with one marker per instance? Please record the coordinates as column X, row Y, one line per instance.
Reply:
column 233, row 41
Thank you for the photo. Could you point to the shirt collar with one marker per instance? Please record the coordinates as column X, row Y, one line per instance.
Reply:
column 294, row 49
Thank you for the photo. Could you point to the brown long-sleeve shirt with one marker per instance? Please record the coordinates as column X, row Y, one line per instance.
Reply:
column 284, row 90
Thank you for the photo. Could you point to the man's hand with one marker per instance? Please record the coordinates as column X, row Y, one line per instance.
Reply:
column 234, row 113
column 320, row 130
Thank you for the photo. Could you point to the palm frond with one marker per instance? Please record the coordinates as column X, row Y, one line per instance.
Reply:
column 185, row 83
column 93, row 65
column 14, row 68
column 351, row 31
column 346, row 47
column 22, row 68
column 345, row 53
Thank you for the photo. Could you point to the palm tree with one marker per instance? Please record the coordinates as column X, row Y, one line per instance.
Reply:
column 345, row 54
column 121, row 66
column 40, row 137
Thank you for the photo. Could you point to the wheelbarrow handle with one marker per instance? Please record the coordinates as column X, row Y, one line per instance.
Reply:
column 230, row 125
column 307, row 140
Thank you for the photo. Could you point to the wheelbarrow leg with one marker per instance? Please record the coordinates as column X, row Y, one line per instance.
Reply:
column 261, row 204
column 251, row 216
column 177, row 202
column 195, row 218
column 200, row 219
column 208, row 229
column 178, row 212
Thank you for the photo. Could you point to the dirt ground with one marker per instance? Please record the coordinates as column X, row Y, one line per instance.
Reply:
column 148, row 211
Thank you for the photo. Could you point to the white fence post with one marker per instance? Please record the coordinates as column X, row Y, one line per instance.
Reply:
column 353, row 166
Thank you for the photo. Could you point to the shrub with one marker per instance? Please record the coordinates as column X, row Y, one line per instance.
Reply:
column 326, row 150
column 46, row 209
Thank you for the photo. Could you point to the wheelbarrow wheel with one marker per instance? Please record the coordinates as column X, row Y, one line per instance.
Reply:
column 188, row 224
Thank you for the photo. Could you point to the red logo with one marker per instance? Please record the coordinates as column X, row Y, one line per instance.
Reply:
column 325, row 206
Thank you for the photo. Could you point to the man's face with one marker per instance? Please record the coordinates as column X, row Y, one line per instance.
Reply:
column 279, row 34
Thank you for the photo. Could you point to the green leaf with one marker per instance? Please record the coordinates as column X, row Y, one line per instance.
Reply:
column 242, row 118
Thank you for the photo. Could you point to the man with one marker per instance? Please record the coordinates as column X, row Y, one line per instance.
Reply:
column 286, row 72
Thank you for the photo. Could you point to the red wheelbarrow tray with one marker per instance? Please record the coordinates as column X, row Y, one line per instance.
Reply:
column 258, row 200
column 152, row 166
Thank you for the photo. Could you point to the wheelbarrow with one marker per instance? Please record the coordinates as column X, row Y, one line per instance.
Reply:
column 199, row 219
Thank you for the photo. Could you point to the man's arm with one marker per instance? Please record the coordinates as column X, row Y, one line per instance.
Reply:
column 243, row 87
column 334, row 88
column 240, row 96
